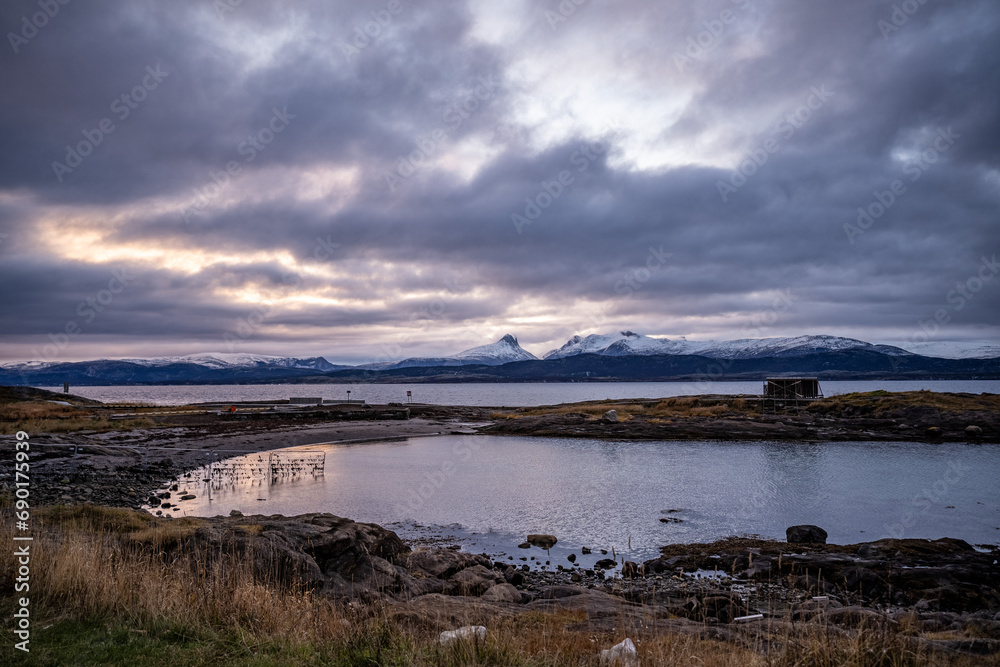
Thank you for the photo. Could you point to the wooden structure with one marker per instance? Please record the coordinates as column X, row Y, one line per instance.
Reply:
column 792, row 388
column 789, row 392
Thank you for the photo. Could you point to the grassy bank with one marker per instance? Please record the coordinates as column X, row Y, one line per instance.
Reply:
column 40, row 411
column 114, row 586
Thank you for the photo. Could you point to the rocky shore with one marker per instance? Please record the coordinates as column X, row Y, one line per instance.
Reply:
column 125, row 468
column 942, row 595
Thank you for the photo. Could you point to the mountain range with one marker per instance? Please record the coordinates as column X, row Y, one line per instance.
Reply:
column 623, row 355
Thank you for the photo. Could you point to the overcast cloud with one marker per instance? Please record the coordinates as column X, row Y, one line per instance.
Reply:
column 469, row 169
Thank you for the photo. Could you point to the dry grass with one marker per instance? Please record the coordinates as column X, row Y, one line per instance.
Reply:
column 99, row 578
column 679, row 406
column 877, row 402
column 48, row 417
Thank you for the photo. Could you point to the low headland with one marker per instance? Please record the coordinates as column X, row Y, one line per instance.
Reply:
column 114, row 584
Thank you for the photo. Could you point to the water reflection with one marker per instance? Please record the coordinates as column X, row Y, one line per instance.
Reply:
column 610, row 494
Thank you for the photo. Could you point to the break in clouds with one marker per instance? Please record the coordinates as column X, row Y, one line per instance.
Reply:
column 333, row 178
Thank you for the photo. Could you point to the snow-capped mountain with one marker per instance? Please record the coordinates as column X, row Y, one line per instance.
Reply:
column 213, row 360
column 198, row 368
column 955, row 350
column 626, row 343
column 239, row 360
column 758, row 348
column 503, row 351
column 622, row 343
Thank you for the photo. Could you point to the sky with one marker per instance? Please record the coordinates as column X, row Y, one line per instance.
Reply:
column 383, row 179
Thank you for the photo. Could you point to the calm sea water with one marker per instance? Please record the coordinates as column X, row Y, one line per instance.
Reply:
column 491, row 394
column 494, row 490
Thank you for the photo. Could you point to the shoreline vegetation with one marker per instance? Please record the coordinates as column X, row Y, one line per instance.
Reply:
column 115, row 585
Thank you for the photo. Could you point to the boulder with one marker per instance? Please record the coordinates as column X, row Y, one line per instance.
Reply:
column 442, row 563
column 606, row 564
column 502, row 593
column 542, row 540
column 610, row 417
column 630, row 570
column 805, row 534
column 467, row 633
column 475, row 580
column 973, row 431
column 621, row 655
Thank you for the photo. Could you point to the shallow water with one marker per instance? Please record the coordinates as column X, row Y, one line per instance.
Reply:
column 613, row 494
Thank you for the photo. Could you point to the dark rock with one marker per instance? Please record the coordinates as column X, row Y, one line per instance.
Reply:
column 584, row 550
column 502, row 593
column 474, row 580
column 933, row 432
column 857, row 617
column 973, row 432
column 571, row 558
column 188, row 496
column 630, row 570
column 542, row 540
column 720, row 607
column 442, row 563
column 153, row 501
column 524, row 545
column 805, row 534
column 606, row 564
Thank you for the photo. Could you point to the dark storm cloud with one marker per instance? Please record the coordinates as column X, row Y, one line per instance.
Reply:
column 388, row 247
